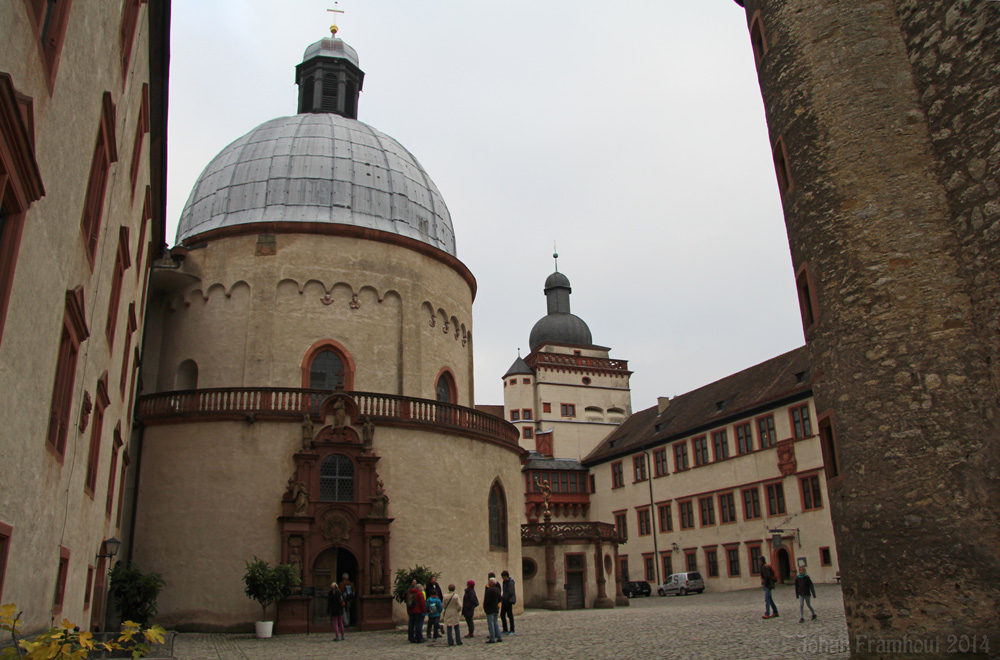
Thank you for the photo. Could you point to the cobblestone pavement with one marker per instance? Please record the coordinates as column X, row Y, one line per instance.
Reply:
column 708, row 626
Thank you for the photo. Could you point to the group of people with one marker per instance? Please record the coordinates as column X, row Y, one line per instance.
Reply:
column 804, row 591
column 338, row 604
column 442, row 611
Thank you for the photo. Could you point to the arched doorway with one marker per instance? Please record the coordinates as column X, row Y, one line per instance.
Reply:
column 784, row 565
column 329, row 566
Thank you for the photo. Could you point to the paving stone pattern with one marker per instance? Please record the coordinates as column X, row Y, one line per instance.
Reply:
column 705, row 626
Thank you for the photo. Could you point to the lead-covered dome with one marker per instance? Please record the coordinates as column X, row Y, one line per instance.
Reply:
column 321, row 168
column 559, row 326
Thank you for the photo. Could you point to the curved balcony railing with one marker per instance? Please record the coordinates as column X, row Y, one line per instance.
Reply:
column 287, row 403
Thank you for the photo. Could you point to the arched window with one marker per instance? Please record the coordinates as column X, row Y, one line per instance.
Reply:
column 336, row 479
column 446, row 388
column 498, row 517
column 326, row 371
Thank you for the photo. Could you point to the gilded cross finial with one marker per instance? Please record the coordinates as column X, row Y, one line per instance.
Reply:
column 336, row 10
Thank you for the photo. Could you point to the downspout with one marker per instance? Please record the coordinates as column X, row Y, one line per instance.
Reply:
column 652, row 518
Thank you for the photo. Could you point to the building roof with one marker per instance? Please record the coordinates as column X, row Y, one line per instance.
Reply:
column 785, row 377
column 559, row 326
column 537, row 461
column 332, row 47
column 519, row 367
column 490, row 409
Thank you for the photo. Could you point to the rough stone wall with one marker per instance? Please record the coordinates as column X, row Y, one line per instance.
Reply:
column 890, row 153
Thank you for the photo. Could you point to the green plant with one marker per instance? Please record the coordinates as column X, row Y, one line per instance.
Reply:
column 68, row 642
column 268, row 584
column 404, row 576
column 135, row 593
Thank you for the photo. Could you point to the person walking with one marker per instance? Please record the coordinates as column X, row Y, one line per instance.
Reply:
column 491, row 605
column 805, row 591
column 507, row 600
column 767, row 580
column 416, row 608
column 469, row 604
column 335, row 607
column 452, row 605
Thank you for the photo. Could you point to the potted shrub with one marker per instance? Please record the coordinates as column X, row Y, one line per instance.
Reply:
column 268, row 584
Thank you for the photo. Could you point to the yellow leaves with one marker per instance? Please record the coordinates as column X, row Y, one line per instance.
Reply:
column 68, row 642
column 155, row 635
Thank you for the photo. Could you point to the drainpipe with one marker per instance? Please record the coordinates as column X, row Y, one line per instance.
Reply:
column 652, row 517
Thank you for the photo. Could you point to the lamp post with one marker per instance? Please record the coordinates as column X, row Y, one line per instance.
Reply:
column 109, row 549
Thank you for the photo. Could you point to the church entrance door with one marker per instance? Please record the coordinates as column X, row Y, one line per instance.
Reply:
column 328, row 567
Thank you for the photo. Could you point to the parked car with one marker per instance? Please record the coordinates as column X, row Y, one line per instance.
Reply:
column 682, row 584
column 633, row 589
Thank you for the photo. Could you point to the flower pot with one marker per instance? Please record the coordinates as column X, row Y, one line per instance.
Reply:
column 264, row 629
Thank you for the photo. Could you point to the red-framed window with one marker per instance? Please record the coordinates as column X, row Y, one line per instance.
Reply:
column 801, row 424
column 62, row 573
column 681, row 456
column 49, row 20
column 667, row 563
column 526, row 381
column 129, row 331
column 141, row 128
column 122, row 262
column 711, row 562
column 808, row 305
column 526, row 413
column 751, row 504
column 105, row 153
column 121, row 488
column 644, row 521
column 775, row 498
column 567, row 409
column 828, row 443
column 666, row 520
column 89, row 587
column 660, row 468
column 720, row 444
column 327, row 366
column 756, row 558
column 706, row 506
column 20, row 182
column 727, row 508
column 621, row 523
column 140, row 246
column 445, row 388
column 649, row 563
column 733, row 560
column 639, row 467
column 812, row 494
column 691, row 559
column 744, row 438
column 527, row 433
column 758, row 40
column 700, row 447
column 765, row 429
column 113, row 471
column 617, row 475
column 497, row 508
column 825, row 558
column 126, row 33
column 96, row 427
column 6, row 531
column 546, row 407
column 74, row 332
column 685, row 511
column 515, row 415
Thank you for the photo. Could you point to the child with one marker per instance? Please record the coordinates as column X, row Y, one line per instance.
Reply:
column 804, row 590
column 433, row 613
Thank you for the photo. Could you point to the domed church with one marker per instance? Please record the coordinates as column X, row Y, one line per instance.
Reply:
column 308, row 377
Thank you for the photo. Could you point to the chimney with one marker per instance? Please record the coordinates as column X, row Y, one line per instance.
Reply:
column 661, row 403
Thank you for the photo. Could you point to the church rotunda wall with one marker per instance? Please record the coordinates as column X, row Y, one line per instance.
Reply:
column 251, row 318
column 205, row 523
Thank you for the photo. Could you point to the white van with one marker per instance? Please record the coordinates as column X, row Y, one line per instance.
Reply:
column 682, row 584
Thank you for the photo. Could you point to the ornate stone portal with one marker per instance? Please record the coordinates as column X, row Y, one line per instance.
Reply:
column 335, row 520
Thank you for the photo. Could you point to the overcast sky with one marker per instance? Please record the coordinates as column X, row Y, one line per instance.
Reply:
column 631, row 133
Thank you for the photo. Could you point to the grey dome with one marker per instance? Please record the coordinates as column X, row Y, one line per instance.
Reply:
column 332, row 47
column 556, row 279
column 560, row 328
column 318, row 168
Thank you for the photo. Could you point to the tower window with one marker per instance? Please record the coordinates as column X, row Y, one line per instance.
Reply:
column 326, row 372
column 780, row 156
column 445, row 389
column 758, row 41
column 497, row 506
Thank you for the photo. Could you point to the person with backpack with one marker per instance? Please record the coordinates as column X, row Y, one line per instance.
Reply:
column 347, row 589
column 416, row 608
column 335, row 607
column 433, row 615
column 433, row 589
column 507, row 600
column 805, row 591
column 452, row 606
column 470, row 601
column 767, row 580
